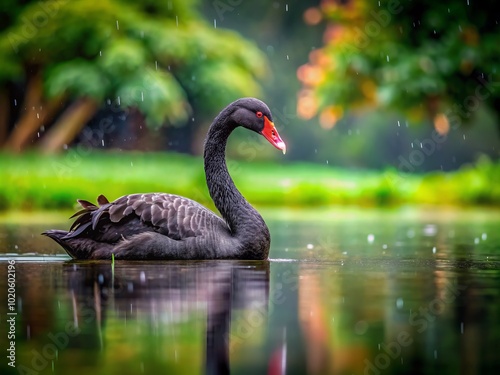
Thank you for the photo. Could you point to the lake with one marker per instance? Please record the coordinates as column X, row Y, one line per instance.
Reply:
column 346, row 291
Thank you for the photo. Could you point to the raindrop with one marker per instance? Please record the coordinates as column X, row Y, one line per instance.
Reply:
column 142, row 276
column 16, row 247
column 310, row 246
column 38, row 134
column 28, row 332
column 65, row 146
column 464, row 137
column 484, row 236
column 215, row 23
column 177, row 21
column 100, row 53
column 371, row 238
column 15, row 102
column 460, row 28
column 399, row 124
column 476, row 241
column 399, row 303
column 467, row 2
column 288, row 58
column 434, row 250
column 100, row 278
column 130, row 288
column 118, row 99
column 117, row 25
column 142, row 96
column 384, row 246
column 387, row 58
column 156, row 65
column 102, row 142
column 327, row 162
column 131, row 163
column 38, row 115
column 286, row 7
column 430, row 230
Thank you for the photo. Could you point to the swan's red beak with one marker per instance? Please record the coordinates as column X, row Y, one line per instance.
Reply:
column 271, row 134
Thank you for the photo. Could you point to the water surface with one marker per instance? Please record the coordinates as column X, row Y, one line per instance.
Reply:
column 346, row 291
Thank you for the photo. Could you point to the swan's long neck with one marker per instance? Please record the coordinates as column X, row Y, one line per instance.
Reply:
column 246, row 224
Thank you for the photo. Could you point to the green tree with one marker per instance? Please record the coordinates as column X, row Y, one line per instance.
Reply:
column 429, row 59
column 156, row 58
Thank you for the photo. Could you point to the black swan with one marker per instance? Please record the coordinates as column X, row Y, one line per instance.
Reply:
column 165, row 226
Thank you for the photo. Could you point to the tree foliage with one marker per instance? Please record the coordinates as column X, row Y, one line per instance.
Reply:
column 158, row 57
column 428, row 59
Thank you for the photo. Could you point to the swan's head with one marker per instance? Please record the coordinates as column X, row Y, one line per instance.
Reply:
column 255, row 115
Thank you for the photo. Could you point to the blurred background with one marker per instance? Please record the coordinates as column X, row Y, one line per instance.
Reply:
column 381, row 103
column 380, row 96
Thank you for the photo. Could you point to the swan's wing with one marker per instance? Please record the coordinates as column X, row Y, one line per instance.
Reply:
column 171, row 215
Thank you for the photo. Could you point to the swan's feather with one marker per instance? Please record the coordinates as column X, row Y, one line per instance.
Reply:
column 171, row 215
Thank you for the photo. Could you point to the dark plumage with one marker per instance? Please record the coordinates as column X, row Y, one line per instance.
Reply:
column 166, row 226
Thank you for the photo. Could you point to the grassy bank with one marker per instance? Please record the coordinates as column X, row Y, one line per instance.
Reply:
column 53, row 182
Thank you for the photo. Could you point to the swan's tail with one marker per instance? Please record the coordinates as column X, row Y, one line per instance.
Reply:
column 76, row 245
column 80, row 247
column 58, row 236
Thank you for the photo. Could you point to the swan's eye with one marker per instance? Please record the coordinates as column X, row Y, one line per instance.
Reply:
column 259, row 114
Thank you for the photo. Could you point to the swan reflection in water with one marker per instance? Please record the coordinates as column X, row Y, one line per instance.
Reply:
column 150, row 301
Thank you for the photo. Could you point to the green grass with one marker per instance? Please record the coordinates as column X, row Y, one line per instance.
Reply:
column 33, row 181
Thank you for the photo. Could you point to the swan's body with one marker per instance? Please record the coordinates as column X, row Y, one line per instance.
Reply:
column 167, row 226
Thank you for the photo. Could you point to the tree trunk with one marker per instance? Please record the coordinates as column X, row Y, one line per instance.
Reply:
column 36, row 113
column 4, row 115
column 68, row 125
